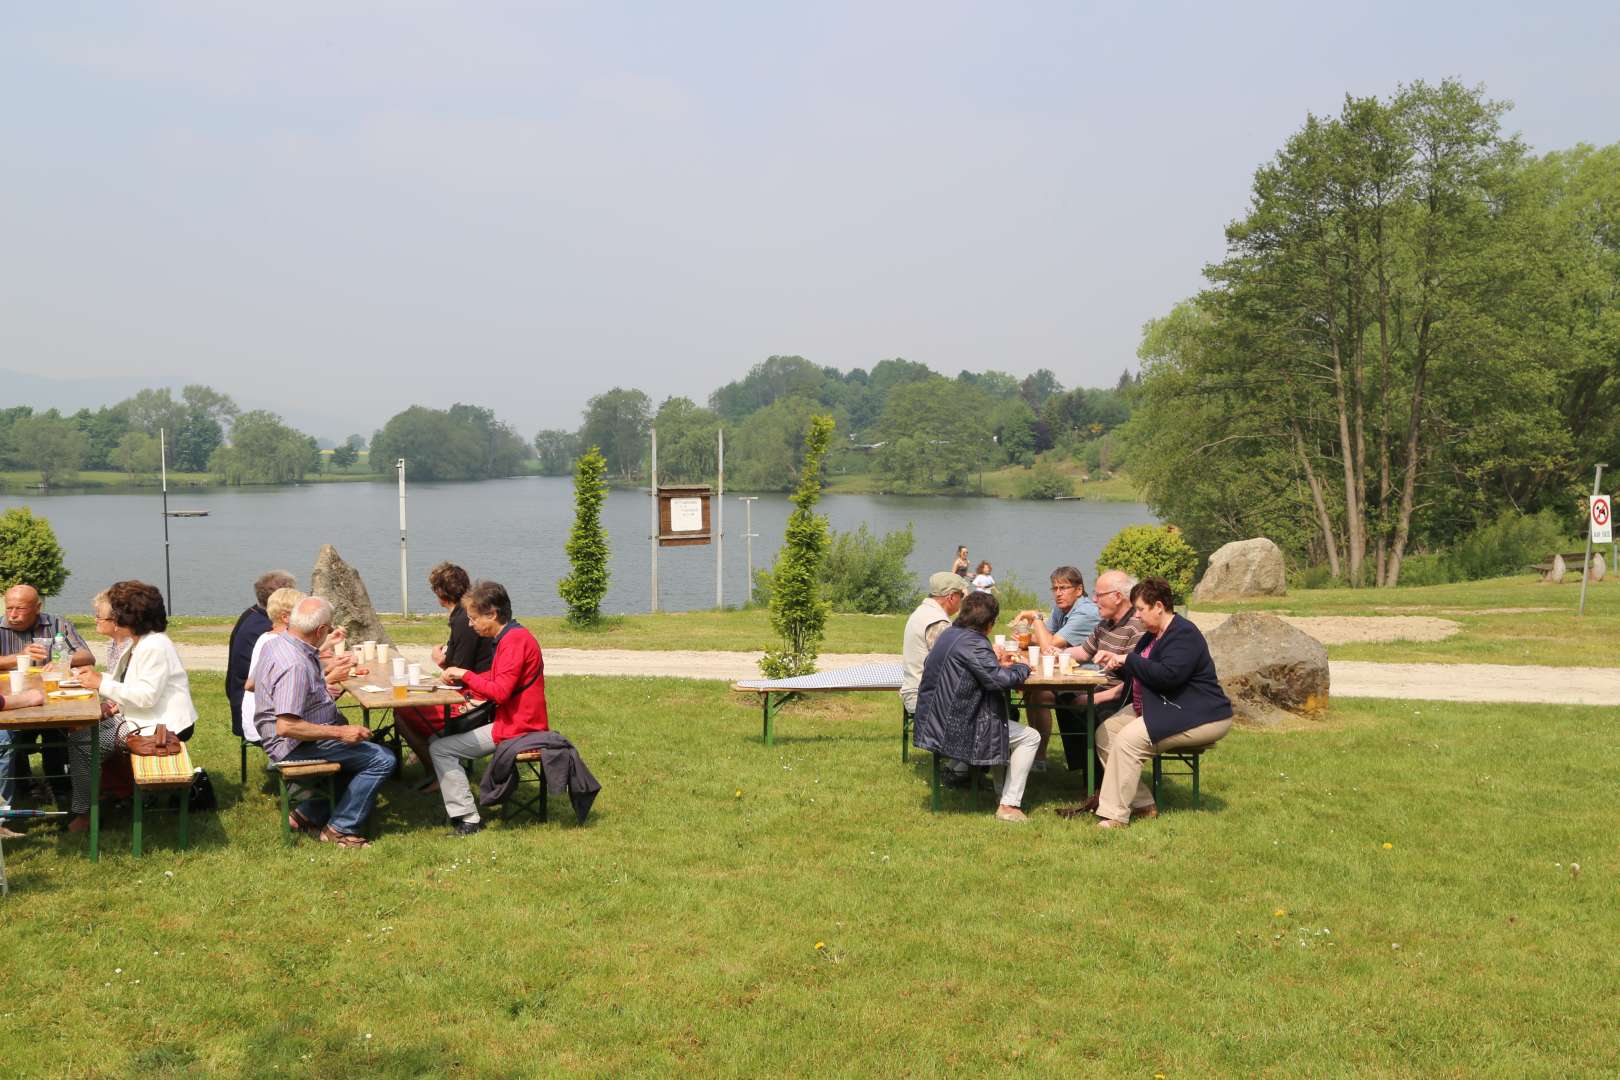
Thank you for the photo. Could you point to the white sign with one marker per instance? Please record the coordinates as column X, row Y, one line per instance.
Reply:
column 1602, row 525
column 686, row 515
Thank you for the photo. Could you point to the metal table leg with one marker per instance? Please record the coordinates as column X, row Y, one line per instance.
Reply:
column 95, row 792
column 1091, row 741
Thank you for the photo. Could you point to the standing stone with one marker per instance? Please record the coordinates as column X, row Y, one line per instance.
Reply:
column 1598, row 569
column 339, row 583
column 1268, row 668
column 1244, row 568
column 1555, row 572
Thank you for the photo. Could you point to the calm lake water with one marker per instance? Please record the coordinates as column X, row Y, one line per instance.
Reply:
column 513, row 531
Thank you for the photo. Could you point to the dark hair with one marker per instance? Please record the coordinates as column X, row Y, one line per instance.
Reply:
column 961, row 548
column 1154, row 590
column 137, row 607
column 269, row 582
column 1069, row 575
column 979, row 611
column 489, row 598
column 449, row 582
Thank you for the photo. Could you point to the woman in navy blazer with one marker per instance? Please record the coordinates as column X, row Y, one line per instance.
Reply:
column 1178, row 703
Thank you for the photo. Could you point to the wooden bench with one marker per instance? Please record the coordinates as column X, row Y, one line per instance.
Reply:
column 1554, row 568
column 515, row 805
column 159, row 774
column 1187, row 756
column 312, row 773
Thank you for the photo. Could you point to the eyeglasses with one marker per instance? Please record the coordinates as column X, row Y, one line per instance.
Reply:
column 1065, row 588
column 1107, row 592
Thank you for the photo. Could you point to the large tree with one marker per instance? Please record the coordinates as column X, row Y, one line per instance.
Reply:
column 616, row 422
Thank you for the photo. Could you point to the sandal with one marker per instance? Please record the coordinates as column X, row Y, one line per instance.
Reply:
column 299, row 823
column 330, row 835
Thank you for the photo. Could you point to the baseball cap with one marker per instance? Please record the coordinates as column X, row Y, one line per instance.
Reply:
column 946, row 582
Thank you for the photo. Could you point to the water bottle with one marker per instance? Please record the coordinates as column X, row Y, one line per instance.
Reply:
column 61, row 651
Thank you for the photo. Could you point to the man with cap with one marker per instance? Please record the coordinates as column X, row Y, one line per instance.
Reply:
column 933, row 615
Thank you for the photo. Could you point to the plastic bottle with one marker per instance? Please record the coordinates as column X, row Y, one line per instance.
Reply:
column 61, row 651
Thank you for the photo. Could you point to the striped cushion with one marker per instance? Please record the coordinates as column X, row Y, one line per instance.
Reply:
column 168, row 771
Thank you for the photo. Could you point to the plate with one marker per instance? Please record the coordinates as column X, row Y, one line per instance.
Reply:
column 70, row 694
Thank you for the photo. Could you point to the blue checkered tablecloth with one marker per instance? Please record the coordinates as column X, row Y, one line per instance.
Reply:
column 862, row 677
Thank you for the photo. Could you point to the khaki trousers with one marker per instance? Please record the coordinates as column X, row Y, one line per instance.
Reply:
column 1124, row 746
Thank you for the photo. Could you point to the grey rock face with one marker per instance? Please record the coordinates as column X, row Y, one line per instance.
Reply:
column 1244, row 568
column 339, row 583
column 1268, row 668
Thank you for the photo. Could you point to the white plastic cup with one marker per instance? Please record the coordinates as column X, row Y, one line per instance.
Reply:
column 340, row 647
column 1066, row 663
column 382, row 653
column 368, row 651
column 1034, row 655
column 25, row 663
column 399, row 667
column 19, row 681
column 1046, row 666
column 414, row 674
column 1001, row 641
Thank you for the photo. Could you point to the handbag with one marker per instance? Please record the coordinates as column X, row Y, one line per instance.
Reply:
column 479, row 713
column 202, row 794
column 161, row 743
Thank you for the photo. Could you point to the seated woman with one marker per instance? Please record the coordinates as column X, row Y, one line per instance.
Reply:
column 465, row 649
column 149, row 684
column 1177, row 703
column 278, row 607
column 515, row 683
column 962, row 702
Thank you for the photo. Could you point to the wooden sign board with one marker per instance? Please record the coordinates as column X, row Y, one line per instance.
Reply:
column 683, row 514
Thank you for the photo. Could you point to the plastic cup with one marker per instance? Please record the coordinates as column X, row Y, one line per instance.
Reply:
column 25, row 663
column 52, row 680
column 399, row 667
column 414, row 674
column 368, row 651
column 1066, row 664
column 1001, row 641
column 1046, row 666
column 1034, row 655
column 19, row 681
column 399, row 687
column 382, row 653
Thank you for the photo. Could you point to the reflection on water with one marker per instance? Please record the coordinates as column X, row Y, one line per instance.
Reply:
column 513, row 531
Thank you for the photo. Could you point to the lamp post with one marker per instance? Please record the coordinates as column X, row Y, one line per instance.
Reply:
column 404, row 604
column 748, row 502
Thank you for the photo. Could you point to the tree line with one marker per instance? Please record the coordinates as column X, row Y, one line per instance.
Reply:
column 1416, row 327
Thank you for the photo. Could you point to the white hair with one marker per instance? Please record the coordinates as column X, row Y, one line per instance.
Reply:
column 1124, row 581
column 312, row 613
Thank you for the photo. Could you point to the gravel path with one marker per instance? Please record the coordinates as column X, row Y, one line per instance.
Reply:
column 1351, row 678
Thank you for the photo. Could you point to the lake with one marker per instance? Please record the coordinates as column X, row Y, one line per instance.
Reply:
column 513, row 531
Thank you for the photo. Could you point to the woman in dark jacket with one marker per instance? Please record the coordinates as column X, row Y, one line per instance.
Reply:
column 962, row 702
column 464, row 649
column 1178, row 703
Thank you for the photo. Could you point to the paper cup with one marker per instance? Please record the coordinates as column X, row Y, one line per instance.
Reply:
column 1046, row 666
column 19, row 681
column 382, row 653
column 399, row 667
column 1001, row 641
column 1034, row 655
column 414, row 674
column 25, row 663
column 368, row 650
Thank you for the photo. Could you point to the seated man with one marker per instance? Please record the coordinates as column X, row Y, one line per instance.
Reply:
column 24, row 623
column 23, row 700
column 298, row 720
column 933, row 615
column 1117, row 632
column 1073, row 618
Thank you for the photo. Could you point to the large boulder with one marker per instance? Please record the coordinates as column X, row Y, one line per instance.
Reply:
column 1269, row 669
column 339, row 583
column 1244, row 568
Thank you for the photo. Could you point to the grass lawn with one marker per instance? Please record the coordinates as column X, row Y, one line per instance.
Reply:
column 1003, row 483
column 1515, row 620
column 1372, row 895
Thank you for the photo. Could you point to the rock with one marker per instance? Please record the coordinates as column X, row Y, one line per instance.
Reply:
column 1244, row 568
column 339, row 583
column 1269, row 669
column 1555, row 572
column 1598, row 569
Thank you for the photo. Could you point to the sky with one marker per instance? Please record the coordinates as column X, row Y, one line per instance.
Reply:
column 337, row 210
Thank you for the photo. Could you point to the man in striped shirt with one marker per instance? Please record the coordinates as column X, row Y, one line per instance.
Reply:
column 298, row 720
column 1118, row 632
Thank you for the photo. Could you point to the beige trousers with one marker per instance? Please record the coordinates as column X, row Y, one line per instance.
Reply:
column 1123, row 744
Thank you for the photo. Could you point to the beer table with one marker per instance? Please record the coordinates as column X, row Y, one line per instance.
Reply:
column 383, row 700
column 1084, row 681
column 71, row 713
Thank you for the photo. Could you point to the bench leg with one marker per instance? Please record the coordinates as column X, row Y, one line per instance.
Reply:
column 286, row 808
column 1197, row 797
column 139, row 802
column 935, row 785
column 905, row 735
column 95, row 795
column 1158, row 771
column 244, row 761
column 184, row 795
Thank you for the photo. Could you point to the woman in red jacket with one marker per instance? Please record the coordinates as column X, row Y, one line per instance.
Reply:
column 515, row 682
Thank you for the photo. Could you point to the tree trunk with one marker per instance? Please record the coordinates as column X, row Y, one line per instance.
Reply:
column 1356, row 537
column 1323, row 519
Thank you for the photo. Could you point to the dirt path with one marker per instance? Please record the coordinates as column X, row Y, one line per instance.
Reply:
column 1351, row 678
column 1351, row 629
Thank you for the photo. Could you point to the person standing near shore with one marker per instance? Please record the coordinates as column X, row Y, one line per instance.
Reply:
column 960, row 566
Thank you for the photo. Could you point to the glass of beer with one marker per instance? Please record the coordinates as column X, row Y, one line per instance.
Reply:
column 400, row 687
column 52, row 679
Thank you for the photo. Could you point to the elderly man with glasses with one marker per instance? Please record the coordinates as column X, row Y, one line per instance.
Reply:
column 1071, row 622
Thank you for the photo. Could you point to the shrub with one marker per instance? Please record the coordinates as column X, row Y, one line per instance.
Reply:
column 1013, row 598
column 587, row 582
column 1044, row 481
column 868, row 574
column 1434, row 569
column 798, row 613
column 29, row 553
column 1152, row 551
column 1506, row 546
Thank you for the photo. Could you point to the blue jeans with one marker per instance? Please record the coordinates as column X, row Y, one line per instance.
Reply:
column 365, row 766
column 7, row 785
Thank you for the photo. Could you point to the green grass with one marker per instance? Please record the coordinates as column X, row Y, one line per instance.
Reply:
column 103, row 481
column 1003, row 484
column 677, row 932
column 1492, row 633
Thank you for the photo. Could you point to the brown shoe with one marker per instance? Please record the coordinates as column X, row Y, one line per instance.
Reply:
column 330, row 835
column 300, row 824
column 1090, row 805
column 1145, row 812
column 79, row 823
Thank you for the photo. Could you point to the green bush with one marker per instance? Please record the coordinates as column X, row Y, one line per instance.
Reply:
column 868, row 574
column 1013, row 598
column 1313, row 577
column 798, row 613
column 1506, row 546
column 1435, row 569
column 29, row 553
column 1044, row 481
column 1152, row 551
column 587, row 582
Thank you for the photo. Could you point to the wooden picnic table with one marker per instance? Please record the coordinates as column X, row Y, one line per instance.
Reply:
column 775, row 693
column 382, row 699
column 70, row 713
column 1081, row 681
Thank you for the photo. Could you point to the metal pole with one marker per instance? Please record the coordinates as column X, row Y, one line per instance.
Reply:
column 652, row 493
column 748, row 502
column 163, row 464
column 720, row 522
column 404, row 602
column 1586, row 567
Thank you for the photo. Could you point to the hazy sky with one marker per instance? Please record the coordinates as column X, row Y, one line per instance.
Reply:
column 338, row 209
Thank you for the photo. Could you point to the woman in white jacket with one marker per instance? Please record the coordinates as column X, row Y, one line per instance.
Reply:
column 148, row 685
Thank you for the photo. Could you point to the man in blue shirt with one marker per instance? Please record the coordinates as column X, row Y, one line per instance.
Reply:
column 1074, row 616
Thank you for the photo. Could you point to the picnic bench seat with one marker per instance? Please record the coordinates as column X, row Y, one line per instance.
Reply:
column 160, row 774
column 1553, row 568
column 313, row 773
column 530, row 771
